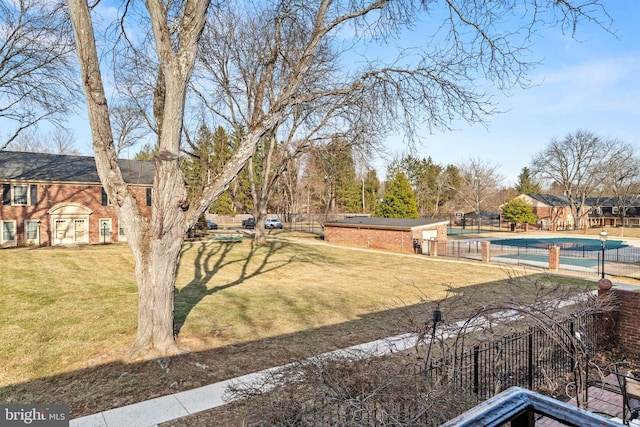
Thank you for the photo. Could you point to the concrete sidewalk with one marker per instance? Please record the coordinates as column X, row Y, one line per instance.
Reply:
column 166, row 408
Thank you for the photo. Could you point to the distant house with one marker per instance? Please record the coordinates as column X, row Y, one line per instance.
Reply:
column 51, row 199
column 614, row 212
column 554, row 212
column 391, row 234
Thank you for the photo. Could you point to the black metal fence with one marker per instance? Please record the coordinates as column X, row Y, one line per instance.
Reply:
column 623, row 262
column 528, row 359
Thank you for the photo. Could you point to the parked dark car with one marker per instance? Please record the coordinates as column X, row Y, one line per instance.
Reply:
column 211, row 225
column 249, row 223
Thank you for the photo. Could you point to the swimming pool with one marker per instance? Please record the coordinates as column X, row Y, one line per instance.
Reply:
column 565, row 243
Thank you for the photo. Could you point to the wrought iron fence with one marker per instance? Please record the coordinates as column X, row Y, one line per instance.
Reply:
column 528, row 359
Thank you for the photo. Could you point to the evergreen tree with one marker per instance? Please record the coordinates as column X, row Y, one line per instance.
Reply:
column 371, row 191
column 206, row 157
column 332, row 176
column 517, row 211
column 526, row 184
column 399, row 200
column 197, row 163
column 345, row 184
column 146, row 152
column 428, row 182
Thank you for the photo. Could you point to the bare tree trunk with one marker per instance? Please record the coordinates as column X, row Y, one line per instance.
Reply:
column 156, row 277
column 155, row 244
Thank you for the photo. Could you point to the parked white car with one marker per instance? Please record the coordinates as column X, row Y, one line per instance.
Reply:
column 271, row 223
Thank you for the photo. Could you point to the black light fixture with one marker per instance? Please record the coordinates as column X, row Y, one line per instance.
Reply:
column 603, row 239
column 437, row 316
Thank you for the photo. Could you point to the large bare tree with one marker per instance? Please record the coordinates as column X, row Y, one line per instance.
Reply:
column 412, row 86
column 579, row 164
column 37, row 77
column 479, row 180
column 59, row 141
column 622, row 178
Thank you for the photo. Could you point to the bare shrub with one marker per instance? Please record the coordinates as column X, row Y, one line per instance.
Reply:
column 342, row 391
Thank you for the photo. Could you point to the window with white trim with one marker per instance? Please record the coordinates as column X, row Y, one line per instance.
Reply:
column 32, row 230
column 8, row 231
column 106, row 200
column 615, row 210
column 20, row 194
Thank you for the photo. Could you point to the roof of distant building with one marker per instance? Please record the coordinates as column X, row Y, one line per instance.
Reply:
column 387, row 223
column 550, row 199
column 44, row 167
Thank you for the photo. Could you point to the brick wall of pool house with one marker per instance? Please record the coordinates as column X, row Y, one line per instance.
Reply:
column 382, row 239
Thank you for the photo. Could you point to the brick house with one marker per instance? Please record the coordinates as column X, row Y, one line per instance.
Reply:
column 391, row 234
column 554, row 212
column 52, row 199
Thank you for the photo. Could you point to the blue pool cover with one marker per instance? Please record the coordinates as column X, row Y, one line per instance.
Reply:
column 567, row 243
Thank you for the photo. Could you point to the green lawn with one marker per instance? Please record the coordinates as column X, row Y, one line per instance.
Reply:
column 67, row 308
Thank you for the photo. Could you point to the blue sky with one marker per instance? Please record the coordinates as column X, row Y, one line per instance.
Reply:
column 592, row 83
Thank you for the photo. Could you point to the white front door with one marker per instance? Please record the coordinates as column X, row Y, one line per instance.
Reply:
column 79, row 230
column 60, row 231
column 427, row 236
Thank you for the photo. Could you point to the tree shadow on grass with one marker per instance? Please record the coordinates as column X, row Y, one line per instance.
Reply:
column 108, row 384
column 209, row 260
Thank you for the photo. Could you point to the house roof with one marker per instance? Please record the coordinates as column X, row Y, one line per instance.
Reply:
column 386, row 223
column 24, row 166
column 604, row 201
column 550, row 199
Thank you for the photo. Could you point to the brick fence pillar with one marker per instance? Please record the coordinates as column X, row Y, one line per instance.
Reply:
column 627, row 321
column 486, row 251
column 607, row 337
column 554, row 258
column 621, row 231
column 433, row 247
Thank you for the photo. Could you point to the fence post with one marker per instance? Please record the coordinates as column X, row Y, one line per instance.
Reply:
column 486, row 251
column 572, row 360
column 530, row 359
column 554, row 258
column 433, row 247
column 476, row 377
